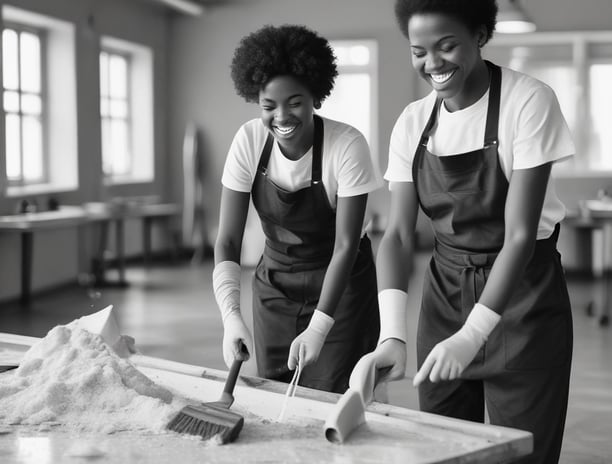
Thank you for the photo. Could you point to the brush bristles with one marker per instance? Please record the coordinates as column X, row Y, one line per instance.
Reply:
column 207, row 421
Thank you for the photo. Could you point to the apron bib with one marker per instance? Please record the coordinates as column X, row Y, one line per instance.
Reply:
column 300, row 230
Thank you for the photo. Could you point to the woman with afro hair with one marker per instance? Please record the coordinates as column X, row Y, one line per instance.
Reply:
column 475, row 155
column 314, row 290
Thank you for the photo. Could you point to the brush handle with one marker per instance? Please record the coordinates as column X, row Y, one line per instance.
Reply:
column 232, row 376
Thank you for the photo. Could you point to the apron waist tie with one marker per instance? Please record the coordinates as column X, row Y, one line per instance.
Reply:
column 473, row 265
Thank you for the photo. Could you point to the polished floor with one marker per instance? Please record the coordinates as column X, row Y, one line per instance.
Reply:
column 171, row 313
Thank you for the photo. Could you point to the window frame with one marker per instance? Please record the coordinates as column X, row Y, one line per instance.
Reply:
column 45, row 161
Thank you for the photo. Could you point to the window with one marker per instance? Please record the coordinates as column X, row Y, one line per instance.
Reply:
column 39, row 104
column 126, row 111
column 578, row 66
column 115, row 114
column 23, row 105
column 354, row 99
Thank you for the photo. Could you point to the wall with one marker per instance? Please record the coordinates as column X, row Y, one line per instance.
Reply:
column 202, row 90
column 57, row 259
column 192, row 83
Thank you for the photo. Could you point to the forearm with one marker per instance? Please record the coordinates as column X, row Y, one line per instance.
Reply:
column 506, row 272
column 394, row 261
column 337, row 277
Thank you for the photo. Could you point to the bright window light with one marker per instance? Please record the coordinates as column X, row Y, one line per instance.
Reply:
column 23, row 106
column 354, row 99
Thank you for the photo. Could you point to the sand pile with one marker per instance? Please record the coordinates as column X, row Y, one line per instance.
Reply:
column 74, row 379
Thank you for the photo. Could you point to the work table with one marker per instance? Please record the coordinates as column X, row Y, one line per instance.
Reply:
column 390, row 434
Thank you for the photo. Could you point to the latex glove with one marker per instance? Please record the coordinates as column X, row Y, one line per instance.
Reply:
column 449, row 358
column 391, row 353
column 306, row 347
column 237, row 340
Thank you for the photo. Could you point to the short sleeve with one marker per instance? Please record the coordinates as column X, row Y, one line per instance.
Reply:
column 541, row 132
column 401, row 152
column 239, row 169
column 357, row 172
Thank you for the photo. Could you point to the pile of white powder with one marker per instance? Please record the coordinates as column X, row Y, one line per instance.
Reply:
column 74, row 379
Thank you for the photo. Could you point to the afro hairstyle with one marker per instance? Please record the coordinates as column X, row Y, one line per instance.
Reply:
column 472, row 13
column 288, row 50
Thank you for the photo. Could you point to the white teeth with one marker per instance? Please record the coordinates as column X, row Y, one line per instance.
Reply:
column 285, row 130
column 440, row 78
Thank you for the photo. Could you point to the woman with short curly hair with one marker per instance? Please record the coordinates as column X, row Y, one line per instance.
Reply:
column 475, row 156
column 314, row 289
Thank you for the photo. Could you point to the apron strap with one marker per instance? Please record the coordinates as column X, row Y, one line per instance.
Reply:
column 317, row 150
column 262, row 166
column 493, row 108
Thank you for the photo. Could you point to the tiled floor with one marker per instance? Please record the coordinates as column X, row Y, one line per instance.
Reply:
column 171, row 313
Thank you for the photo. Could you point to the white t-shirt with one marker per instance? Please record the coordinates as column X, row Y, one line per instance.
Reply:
column 532, row 131
column 347, row 168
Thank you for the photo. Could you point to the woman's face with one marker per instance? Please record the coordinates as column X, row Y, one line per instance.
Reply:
column 447, row 55
column 287, row 109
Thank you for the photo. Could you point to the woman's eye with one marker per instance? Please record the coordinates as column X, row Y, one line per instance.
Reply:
column 447, row 48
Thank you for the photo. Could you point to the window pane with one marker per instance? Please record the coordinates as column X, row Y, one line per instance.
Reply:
column 11, row 101
column 10, row 62
column 104, row 74
column 120, row 150
column 352, row 55
column 601, row 115
column 13, row 147
column 107, row 160
column 33, row 167
column 104, row 107
column 118, row 109
column 30, row 62
column 117, row 76
column 31, row 104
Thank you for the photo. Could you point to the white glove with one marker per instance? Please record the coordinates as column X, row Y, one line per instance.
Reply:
column 235, row 336
column 449, row 358
column 392, row 307
column 306, row 347
column 226, row 286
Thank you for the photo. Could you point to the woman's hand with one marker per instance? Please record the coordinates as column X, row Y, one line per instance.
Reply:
column 237, row 340
column 306, row 347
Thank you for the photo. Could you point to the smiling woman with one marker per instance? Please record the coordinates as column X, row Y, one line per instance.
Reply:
column 475, row 156
column 314, row 289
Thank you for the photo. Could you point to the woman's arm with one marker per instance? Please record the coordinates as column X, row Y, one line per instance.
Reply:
column 522, row 214
column 349, row 222
column 232, row 219
column 393, row 266
column 395, row 252
column 226, row 274
column 306, row 347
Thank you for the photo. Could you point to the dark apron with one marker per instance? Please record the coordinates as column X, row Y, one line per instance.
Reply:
column 300, row 230
column 522, row 372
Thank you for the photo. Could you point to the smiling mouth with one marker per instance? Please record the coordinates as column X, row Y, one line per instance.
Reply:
column 443, row 77
column 285, row 130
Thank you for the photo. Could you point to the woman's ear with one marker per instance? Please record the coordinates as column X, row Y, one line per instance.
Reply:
column 317, row 104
